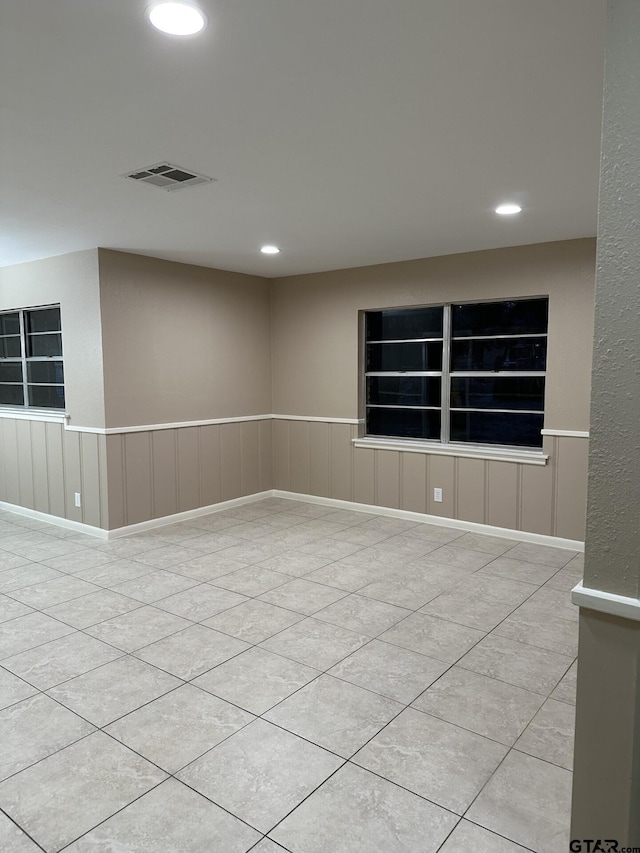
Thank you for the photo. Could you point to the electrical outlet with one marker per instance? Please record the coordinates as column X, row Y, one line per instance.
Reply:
column 77, row 499
column 437, row 495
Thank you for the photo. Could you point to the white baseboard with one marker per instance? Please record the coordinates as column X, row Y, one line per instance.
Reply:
column 119, row 532
column 67, row 523
column 469, row 526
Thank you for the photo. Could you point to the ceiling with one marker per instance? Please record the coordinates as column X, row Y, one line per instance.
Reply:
column 347, row 132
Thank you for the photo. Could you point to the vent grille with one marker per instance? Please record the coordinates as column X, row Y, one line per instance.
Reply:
column 168, row 177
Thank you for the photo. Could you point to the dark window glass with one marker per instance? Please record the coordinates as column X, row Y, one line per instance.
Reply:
column 46, row 396
column 45, row 371
column 10, row 348
column 43, row 320
column 11, row 395
column 491, row 428
column 403, row 390
column 10, row 324
column 404, row 323
column 404, row 423
column 503, row 392
column 404, row 357
column 524, row 316
column 512, row 354
column 10, row 371
column 42, row 345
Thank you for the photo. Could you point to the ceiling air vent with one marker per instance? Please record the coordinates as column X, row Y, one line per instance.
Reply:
column 168, row 177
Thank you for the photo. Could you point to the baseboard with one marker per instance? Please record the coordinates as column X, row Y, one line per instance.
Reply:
column 469, row 526
column 119, row 532
column 67, row 523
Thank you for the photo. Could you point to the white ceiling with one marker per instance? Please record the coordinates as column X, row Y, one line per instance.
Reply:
column 348, row 132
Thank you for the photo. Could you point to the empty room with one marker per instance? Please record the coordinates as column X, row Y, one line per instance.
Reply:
column 319, row 465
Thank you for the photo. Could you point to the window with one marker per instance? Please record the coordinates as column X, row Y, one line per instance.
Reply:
column 31, row 371
column 471, row 373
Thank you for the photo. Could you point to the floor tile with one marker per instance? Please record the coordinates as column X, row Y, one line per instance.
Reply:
column 90, row 609
column 550, row 734
column 210, row 542
column 34, row 729
column 260, row 773
column 566, row 689
column 53, row 592
column 516, row 663
column 13, row 689
column 357, row 812
column 494, row 588
column 256, row 679
column 87, row 558
column 302, row 596
column 127, row 546
column 167, row 556
column 173, row 818
column 251, row 552
column 11, row 561
column 138, row 628
column 154, row 586
column 544, row 631
column 433, row 758
column 391, row 671
column 200, row 602
column 26, row 575
column 480, row 704
column 192, row 651
column 481, row 542
column 361, row 614
column 542, row 554
column 461, row 558
column 463, row 609
column 316, row 644
column 527, row 801
column 68, row 793
column 208, row 567
column 295, row 563
column 11, row 609
column 332, row 549
column 436, row 638
column 412, row 588
column 110, row 691
column 179, row 727
column 334, row 714
column 60, row 660
column 519, row 570
column 39, row 552
column 469, row 838
column 360, row 536
column 252, row 580
column 435, row 532
column 345, row 576
column 254, row 621
column 267, row 846
column 114, row 573
column 13, row 839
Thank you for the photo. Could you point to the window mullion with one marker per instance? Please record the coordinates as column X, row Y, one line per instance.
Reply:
column 445, row 390
column 23, row 348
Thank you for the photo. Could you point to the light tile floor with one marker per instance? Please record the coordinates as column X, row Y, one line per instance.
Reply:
column 284, row 676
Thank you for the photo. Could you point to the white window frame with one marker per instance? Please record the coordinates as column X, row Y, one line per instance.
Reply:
column 444, row 445
column 24, row 360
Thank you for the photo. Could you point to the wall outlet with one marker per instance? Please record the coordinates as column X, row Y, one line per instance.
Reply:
column 78, row 502
column 437, row 495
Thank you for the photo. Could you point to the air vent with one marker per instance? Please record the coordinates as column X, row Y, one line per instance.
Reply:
column 168, row 177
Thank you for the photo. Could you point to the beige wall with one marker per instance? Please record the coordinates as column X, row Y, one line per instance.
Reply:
column 315, row 321
column 72, row 281
column 181, row 342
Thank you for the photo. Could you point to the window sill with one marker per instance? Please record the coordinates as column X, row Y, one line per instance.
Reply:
column 491, row 454
column 25, row 413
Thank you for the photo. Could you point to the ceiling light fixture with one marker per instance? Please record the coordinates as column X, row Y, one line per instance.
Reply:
column 177, row 19
column 269, row 250
column 508, row 209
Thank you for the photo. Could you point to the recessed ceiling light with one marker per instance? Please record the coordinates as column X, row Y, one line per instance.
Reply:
column 269, row 250
column 508, row 209
column 177, row 19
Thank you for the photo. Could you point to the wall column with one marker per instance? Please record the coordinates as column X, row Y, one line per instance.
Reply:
column 606, row 791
